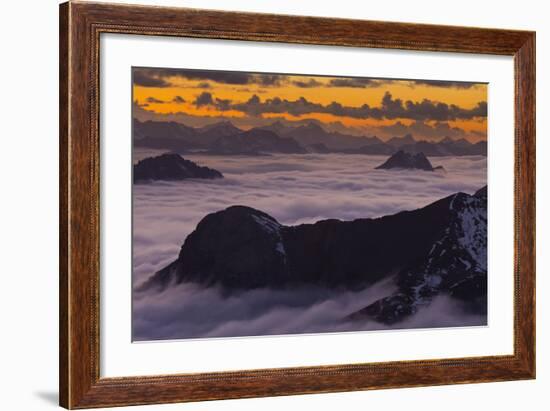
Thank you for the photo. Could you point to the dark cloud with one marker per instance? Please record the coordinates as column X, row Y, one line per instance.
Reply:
column 228, row 77
column 224, row 77
column 307, row 84
column 223, row 104
column 206, row 99
column 146, row 78
column 428, row 110
column 178, row 100
column 427, row 130
column 154, row 100
column 138, row 105
column 255, row 107
column 159, row 78
column 445, row 84
column 355, row 82
column 269, row 79
column 390, row 108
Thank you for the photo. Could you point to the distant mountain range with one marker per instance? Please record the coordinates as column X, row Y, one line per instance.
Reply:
column 440, row 249
column 224, row 138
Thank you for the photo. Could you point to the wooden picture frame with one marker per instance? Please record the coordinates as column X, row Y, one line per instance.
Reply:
column 80, row 27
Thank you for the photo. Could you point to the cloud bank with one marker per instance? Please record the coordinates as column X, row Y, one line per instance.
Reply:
column 294, row 189
column 187, row 311
column 389, row 108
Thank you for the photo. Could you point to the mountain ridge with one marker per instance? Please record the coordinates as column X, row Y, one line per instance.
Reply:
column 181, row 138
column 439, row 249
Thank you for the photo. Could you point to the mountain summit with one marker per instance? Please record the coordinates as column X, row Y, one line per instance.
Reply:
column 404, row 160
column 171, row 166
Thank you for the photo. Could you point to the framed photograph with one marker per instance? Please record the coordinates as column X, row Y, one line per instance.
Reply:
column 258, row 205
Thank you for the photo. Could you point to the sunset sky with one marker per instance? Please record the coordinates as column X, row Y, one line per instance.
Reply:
column 430, row 110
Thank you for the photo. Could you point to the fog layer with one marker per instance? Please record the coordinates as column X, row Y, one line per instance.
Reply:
column 293, row 189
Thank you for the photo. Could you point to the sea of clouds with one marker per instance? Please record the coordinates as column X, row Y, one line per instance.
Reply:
column 293, row 189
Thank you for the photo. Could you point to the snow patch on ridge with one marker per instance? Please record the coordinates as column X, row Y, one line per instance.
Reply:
column 473, row 221
column 269, row 225
column 272, row 227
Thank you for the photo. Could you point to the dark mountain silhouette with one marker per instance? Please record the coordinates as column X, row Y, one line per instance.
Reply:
column 162, row 129
column 438, row 249
column 380, row 148
column 277, row 127
column 427, row 148
column 456, row 265
column 397, row 142
column 313, row 133
column 207, row 135
column 164, row 135
column 174, row 144
column 180, row 138
column 222, row 128
column 218, row 138
column 171, row 166
column 403, row 160
column 319, row 148
column 480, row 148
column 446, row 147
column 255, row 141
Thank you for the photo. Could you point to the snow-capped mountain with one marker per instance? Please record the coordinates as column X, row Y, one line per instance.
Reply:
column 438, row 249
column 455, row 265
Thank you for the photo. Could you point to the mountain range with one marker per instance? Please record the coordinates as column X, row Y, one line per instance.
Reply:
column 224, row 138
column 440, row 249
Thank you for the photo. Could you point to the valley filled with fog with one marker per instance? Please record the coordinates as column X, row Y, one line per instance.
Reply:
column 294, row 189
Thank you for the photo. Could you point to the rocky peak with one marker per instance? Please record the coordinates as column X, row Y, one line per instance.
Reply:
column 171, row 166
column 404, row 160
column 239, row 247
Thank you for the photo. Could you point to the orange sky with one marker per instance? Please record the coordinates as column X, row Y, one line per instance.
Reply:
column 164, row 94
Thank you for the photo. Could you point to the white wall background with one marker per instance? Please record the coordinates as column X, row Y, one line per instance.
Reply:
column 29, row 191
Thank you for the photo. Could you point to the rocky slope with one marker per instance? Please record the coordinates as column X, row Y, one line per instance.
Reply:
column 456, row 265
column 171, row 166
